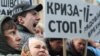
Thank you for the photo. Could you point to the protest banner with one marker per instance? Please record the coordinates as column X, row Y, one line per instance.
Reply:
column 6, row 6
column 68, row 18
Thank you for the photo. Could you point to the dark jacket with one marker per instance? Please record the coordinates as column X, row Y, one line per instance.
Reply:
column 72, row 52
column 5, row 49
column 25, row 34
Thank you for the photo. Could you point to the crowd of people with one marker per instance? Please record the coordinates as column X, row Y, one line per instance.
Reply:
column 22, row 35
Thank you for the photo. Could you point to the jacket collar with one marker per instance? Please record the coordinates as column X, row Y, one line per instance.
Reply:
column 22, row 28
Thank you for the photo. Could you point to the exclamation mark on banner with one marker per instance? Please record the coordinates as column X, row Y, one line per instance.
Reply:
column 87, row 15
column 80, row 26
column 84, row 13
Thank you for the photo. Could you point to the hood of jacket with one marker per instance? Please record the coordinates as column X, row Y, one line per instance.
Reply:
column 4, row 47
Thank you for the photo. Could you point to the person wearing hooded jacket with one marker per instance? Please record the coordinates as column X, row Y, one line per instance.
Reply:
column 9, row 37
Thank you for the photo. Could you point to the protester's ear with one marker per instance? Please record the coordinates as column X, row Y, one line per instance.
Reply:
column 23, row 53
column 29, row 54
column 20, row 20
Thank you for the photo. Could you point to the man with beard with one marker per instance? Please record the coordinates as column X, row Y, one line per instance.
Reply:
column 55, row 46
column 26, row 18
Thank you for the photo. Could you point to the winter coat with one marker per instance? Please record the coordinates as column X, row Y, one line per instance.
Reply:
column 25, row 34
column 95, row 50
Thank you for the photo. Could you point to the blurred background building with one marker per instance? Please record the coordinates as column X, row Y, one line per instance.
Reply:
column 94, row 2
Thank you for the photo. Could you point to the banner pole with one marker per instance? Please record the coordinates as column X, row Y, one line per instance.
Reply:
column 85, row 52
column 64, row 47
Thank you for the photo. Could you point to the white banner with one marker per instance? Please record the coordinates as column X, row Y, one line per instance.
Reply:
column 7, row 5
column 68, row 18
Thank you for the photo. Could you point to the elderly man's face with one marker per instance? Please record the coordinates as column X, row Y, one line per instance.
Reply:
column 38, row 48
